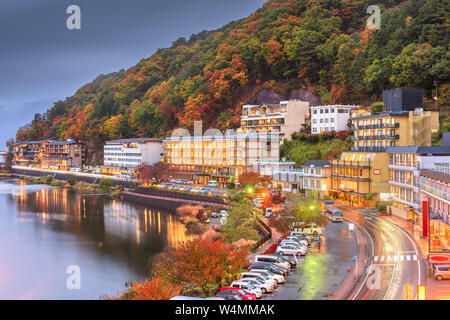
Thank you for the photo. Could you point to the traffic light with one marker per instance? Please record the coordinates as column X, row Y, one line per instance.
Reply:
column 421, row 292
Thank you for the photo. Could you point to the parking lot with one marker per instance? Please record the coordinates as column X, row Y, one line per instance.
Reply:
column 320, row 272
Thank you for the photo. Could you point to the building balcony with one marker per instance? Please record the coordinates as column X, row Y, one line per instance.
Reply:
column 350, row 164
column 375, row 126
column 443, row 195
column 353, row 178
column 405, row 185
column 376, row 137
column 368, row 149
column 406, row 202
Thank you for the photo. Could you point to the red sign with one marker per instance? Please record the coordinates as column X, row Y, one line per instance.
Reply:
column 425, row 218
column 437, row 258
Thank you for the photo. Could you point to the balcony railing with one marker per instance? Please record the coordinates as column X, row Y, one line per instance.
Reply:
column 375, row 126
column 376, row 137
column 436, row 192
column 368, row 149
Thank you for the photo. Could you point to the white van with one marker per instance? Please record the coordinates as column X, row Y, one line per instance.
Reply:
column 268, row 213
column 74, row 170
column 442, row 272
column 272, row 259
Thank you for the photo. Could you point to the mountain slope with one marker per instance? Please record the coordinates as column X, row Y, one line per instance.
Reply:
column 287, row 45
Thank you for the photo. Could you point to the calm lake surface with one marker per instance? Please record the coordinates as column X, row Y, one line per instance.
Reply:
column 44, row 230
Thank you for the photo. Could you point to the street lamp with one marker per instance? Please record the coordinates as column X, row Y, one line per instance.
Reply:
column 436, row 97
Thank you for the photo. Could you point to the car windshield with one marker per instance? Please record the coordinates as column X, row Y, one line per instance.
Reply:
column 242, row 292
column 250, row 286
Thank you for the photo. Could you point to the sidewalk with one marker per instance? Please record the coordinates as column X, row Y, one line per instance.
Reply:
column 435, row 290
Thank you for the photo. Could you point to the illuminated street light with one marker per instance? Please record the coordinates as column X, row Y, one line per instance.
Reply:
column 342, row 186
column 324, row 187
column 249, row 190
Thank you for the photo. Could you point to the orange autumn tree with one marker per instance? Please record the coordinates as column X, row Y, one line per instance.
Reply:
column 156, row 289
column 205, row 262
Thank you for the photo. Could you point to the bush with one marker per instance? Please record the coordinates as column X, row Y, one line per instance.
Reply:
column 105, row 185
column 48, row 179
column 369, row 196
column 72, row 179
column 382, row 206
column 117, row 187
column 134, row 185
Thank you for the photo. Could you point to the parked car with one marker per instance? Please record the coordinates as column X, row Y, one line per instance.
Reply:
column 294, row 243
column 237, row 291
column 291, row 250
column 214, row 215
column 227, row 296
column 442, row 272
column 272, row 259
column 292, row 260
column 212, row 183
column 298, row 240
column 248, row 287
column 259, row 276
column 277, row 277
column 186, row 298
column 223, row 221
column 269, row 266
column 264, row 286
column 223, row 213
column 312, row 230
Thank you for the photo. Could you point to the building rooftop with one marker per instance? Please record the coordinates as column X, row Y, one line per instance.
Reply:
column 316, row 163
column 381, row 115
column 133, row 140
column 62, row 143
column 440, row 176
column 336, row 105
column 420, row 150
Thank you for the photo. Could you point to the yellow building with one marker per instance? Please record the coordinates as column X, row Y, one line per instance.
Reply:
column 364, row 170
column 220, row 158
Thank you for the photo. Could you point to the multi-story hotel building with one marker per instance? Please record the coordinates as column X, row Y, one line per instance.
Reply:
column 61, row 155
column 28, row 153
column 435, row 185
column 284, row 118
column 220, row 158
column 127, row 154
column 330, row 118
column 288, row 180
column 364, row 170
column 405, row 164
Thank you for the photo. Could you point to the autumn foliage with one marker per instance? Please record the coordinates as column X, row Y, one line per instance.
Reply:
column 156, row 289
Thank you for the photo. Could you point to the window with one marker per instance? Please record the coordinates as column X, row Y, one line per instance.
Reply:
column 326, row 120
column 321, row 120
column 321, row 111
column 314, row 129
column 332, row 120
column 314, row 120
column 327, row 110
column 377, row 172
column 314, row 111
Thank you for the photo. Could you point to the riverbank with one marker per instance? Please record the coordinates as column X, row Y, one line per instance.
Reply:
column 84, row 188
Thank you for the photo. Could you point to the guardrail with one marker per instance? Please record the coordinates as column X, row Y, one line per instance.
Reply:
column 267, row 234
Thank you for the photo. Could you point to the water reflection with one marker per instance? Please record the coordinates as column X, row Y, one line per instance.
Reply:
column 111, row 240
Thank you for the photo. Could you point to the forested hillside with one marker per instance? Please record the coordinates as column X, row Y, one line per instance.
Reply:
column 322, row 46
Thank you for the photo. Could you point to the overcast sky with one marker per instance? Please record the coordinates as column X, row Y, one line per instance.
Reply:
column 41, row 61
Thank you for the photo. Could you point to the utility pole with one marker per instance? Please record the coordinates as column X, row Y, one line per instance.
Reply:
column 436, row 97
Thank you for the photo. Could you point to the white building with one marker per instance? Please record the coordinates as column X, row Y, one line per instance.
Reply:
column 269, row 168
column 127, row 154
column 405, row 164
column 330, row 118
column 284, row 118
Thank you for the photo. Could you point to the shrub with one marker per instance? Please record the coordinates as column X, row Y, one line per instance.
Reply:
column 117, row 187
column 48, row 179
column 369, row 196
column 105, row 185
column 134, row 185
column 72, row 179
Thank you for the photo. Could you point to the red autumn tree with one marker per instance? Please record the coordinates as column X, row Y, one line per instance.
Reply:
column 147, row 172
column 205, row 262
column 156, row 289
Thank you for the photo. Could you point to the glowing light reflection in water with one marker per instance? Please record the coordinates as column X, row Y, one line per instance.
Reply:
column 43, row 230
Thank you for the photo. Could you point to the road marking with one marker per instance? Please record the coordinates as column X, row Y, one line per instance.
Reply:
column 402, row 258
column 408, row 257
column 382, row 258
column 395, row 258
column 414, row 257
column 389, row 258
column 375, row 258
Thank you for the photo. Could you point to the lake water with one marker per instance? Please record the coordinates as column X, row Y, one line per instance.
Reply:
column 45, row 230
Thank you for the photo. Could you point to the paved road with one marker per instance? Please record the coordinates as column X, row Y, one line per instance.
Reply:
column 320, row 272
column 394, row 260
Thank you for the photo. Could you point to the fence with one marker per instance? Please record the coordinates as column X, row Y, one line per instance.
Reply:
column 265, row 231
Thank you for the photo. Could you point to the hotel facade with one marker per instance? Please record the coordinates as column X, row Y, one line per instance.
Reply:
column 125, row 155
column 284, row 118
column 330, row 118
column 220, row 157
column 405, row 164
column 49, row 154
column 363, row 172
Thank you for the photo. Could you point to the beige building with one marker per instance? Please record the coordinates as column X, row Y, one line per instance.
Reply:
column 284, row 118
column 364, row 170
column 220, row 158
